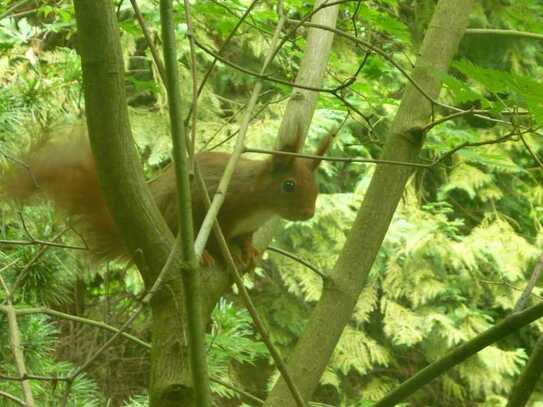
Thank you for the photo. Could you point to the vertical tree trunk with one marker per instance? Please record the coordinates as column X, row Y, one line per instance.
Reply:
column 341, row 291
column 141, row 225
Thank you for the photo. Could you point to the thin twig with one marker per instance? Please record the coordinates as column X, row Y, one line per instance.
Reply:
column 223, row 47
column 7, row 266
column 467, row 144
column 229, row 9
column 232, row 268
column 145, row 300
column 437, row 161
column 532, row 153
column 41, row 242
column 355, row 16
column 17, row 346
column 62, row 315
column 13, row 8
column 258, row 75
column 508, row 33
column 335, row 159
column 12, row 398
column 33, row 377
column 235, row 133
column 299, row 260
column 194, row 105
column 220, row 194
column 444, row 119
column 22, row 274
column 242, row 392
column 511, row 286
column 149, row 39
column 536, row 273
column 22, row 164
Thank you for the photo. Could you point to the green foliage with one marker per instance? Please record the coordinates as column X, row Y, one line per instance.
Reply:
column 505, row 90
column 40, row 337
column 231, row 342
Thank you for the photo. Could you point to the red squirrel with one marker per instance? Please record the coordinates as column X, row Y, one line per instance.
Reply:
column 260, row 189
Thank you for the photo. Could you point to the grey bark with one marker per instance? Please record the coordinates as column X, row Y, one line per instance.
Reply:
column 333, row 312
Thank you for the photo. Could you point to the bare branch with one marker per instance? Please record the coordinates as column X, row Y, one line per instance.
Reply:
column 145, row 300
column 218, row 199
column 33, row 377
column 507, row 33
column 527, row 382
column 411, row 80
column 507, row 137
column 42, row 243
column 536, row 273
column 299, row 260
column 232, row 268
column 149, row 39
column 12, row 398
column 17, row 346
column 13, row 7
column 506, row 327
column 336, row 159
column 22, row 274
column 258, row 75
column 531, row 152
column 194, row 104
column 87, row 321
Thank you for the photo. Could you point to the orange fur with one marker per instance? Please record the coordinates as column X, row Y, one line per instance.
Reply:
column 65, row 173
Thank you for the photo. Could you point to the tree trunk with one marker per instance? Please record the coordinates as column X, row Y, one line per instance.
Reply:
column 341, row 291
column 144, row 231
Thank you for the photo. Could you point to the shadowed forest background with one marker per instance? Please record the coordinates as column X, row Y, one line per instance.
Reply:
column 460, row 251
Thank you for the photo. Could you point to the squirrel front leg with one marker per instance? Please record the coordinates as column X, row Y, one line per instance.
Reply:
column 207, row 260
column 245, row 258
column 249, row 254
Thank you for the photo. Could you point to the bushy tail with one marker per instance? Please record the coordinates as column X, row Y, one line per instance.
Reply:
column 63, row 171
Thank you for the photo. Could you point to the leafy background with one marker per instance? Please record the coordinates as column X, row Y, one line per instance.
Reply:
column 461, row 246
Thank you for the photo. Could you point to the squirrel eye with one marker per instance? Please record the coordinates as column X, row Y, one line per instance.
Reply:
column 289, row 185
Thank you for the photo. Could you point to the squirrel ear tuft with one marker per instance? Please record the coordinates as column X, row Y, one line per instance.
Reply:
column 293, row 145
column 324, row 145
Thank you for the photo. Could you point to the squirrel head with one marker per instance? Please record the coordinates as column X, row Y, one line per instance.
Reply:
column 289, row 181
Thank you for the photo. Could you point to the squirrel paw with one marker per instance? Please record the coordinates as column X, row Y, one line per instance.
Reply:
column 249, row 255
column 207, row 260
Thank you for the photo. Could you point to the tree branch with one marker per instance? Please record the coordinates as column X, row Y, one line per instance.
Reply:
column 461, row 353
column 220, row 193
column 507, row 33
column 87, row 321
column 17, row 346
column 190, row 268
column 312, row 352
column 12, row 398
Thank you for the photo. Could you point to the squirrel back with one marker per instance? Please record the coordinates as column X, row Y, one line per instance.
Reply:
column 64, row 172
